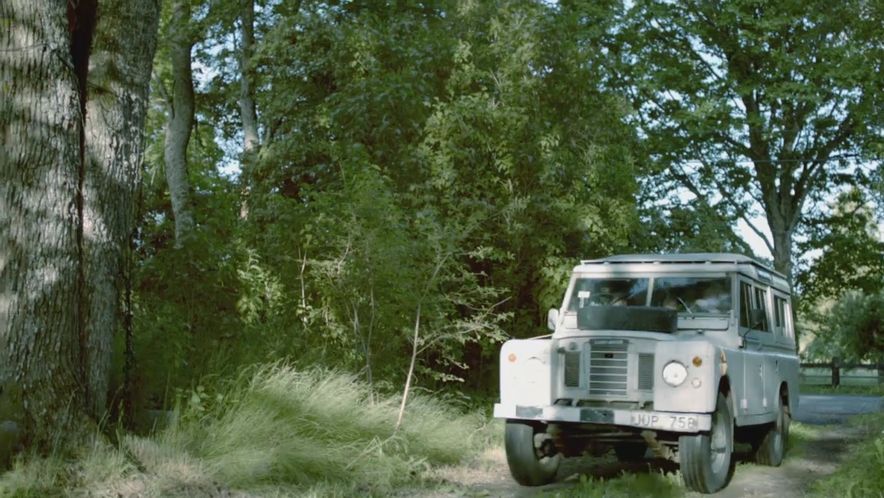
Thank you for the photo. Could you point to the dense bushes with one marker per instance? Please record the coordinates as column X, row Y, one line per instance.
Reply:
column 413, row 160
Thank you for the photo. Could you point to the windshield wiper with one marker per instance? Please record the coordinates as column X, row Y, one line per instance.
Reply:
column 688, row 308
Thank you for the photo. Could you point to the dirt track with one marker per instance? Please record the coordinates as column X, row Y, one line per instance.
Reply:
column 819, row 456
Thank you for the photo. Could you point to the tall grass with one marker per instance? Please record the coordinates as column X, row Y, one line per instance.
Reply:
column 861, row 474
column 275, row 432
column 290, row 426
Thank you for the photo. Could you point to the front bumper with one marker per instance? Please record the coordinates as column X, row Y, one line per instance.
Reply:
column 666, row 421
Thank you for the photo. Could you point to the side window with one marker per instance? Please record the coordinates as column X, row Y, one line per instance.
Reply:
column 787, row 320
column 745, row 303
column 761, row 304
column 782, row 316
column 779, row 312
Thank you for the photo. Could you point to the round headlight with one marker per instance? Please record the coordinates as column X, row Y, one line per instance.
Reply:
column 674, row 373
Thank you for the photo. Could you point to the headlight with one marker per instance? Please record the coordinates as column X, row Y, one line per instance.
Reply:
column 674, row 373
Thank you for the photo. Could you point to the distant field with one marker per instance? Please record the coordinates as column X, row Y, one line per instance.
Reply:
column 867, row 389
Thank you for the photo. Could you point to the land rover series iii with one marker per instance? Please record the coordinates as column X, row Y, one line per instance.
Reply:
column 673, row 355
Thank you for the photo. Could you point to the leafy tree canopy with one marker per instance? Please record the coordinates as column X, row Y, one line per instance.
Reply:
column 756, row 107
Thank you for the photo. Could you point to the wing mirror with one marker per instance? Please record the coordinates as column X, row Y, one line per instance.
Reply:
column 552, row 319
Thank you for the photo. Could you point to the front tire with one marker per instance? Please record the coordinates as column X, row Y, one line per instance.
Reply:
column 772, row 448
column 530, row 454
column 706, row 459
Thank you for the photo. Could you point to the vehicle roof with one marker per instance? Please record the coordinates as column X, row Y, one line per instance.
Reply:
column 684, row 261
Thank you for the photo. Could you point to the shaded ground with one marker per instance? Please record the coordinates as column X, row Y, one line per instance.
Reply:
column 819, row 455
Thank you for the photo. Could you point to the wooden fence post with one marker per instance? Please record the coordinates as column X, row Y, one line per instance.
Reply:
column 836, row 372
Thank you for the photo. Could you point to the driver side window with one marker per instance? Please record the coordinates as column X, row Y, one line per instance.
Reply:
column 753, row 301
column 745, row 304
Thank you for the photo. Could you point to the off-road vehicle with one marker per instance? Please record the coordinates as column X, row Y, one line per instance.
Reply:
column 673, row 356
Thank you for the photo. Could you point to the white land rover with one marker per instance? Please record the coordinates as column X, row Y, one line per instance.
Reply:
column 679, row 355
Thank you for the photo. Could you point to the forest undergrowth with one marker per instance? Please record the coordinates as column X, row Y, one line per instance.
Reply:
column 275, row 431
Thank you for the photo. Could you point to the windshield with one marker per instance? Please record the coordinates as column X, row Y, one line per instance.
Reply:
column 693, row 294
column 688, row 295
column 609, row 291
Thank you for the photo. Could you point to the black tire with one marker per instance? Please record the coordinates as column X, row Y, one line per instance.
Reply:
column 772, row 445
column 706, row 459
column 630, row 452
column 525, row 448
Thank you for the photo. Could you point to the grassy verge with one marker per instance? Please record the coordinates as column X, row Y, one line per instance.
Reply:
column 651, row 485
column 862, row 472
column 276, row 432
column 799, row 436
column 867, row 390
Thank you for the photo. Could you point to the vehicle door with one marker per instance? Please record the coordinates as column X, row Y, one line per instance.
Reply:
column 759, row 341
column 782, row 362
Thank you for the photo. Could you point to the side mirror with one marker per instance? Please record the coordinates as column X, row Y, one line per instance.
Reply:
column 552, row 319
column 756, row 318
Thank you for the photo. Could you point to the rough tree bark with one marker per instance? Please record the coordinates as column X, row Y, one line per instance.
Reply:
column 39, row 217
column 56, row 225
column 180, row 122
column 119, row 75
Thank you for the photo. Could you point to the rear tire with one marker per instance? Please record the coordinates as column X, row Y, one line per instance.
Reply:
column 530, row 454
column 772, row 448
column 706, row 459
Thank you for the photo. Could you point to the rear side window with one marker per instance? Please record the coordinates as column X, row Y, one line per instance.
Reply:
column 782, row 317
column 779, row 312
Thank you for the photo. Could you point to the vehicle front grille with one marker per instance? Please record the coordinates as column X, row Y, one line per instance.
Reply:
column 572, row 368
column 608, row 365
column 646, row 371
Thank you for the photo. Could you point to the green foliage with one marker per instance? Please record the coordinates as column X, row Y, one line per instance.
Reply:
column 851, row 251
column 850, row 329
column 860, row 474
column 753, row 108
column 842, row 289
column 686, row 228
column 452, row 157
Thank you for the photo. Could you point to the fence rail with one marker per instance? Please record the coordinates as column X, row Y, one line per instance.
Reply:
column 836, row 374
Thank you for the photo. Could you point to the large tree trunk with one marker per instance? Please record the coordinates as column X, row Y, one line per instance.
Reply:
column 782, row 253
column 40, row 171
column 119, row 74
column 247, row 108
column 57, row 224
column 180, row 122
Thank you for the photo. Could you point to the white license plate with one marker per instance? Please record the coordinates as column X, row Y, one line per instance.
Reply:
column 665, row 421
